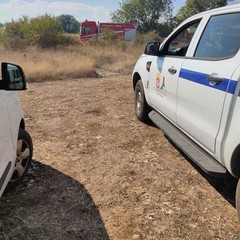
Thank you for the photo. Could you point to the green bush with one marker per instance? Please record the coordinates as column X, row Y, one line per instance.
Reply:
column 67, row 39
column 106, row 38
column 109, row 35
column 44, row 31
column 12, row 35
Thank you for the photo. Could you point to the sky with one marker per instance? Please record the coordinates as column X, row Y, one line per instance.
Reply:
column 95, row 10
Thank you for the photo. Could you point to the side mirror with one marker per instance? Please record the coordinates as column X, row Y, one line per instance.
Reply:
column 13, row 77
column 152, row 48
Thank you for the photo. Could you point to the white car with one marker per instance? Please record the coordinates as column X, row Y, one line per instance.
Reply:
column 189, row 86
column 16, row 146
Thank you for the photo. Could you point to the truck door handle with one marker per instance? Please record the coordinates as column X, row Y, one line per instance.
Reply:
column 214, row 80
column 172, row 70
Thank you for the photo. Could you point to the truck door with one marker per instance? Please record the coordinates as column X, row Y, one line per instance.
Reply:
column 164, row 71
column 205, row 79
column 163, row 85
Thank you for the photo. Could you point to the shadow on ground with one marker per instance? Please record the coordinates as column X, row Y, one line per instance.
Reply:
column 226, row 186
column 50, row 205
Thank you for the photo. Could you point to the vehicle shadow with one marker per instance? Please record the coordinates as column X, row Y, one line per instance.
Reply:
column 50, row 205
column 225, row 186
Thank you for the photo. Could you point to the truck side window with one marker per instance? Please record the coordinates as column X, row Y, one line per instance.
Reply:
column 178, row 45
column 220, row 38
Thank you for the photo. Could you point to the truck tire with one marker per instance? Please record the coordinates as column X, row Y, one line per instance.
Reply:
column 23, row 158
column 237, row 199
column 141, row 107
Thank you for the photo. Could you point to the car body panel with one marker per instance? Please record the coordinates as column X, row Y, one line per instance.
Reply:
column 11, row 116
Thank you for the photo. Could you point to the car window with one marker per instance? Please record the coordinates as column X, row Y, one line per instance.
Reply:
column 220, row 38
column 178, row 45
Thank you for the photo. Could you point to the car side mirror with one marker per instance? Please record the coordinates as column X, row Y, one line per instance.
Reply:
column 13, row 78
column 152, row 48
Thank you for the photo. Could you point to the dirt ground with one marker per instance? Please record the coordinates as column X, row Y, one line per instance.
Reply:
column 99, row 173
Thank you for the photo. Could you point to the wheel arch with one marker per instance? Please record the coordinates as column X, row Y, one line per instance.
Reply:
column 135, row 79
column 22, row 124
column 235, row 162
column 23, row 158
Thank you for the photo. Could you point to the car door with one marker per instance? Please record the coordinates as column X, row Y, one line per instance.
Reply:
column 205, row 79
column 165, row 70
column 6, row 145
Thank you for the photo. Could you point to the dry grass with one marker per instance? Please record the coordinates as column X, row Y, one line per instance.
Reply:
column 99, row 174
column 76, row 61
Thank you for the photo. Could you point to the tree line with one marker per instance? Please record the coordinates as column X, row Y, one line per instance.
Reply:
column 148, row 16
column 157, row 15
column 44, row 31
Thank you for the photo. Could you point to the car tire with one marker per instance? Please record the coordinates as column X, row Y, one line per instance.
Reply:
column 141, row 107
column 23, row 158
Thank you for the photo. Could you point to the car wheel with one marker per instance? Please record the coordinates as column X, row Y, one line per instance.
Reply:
column 23, row 158
column 141, row 107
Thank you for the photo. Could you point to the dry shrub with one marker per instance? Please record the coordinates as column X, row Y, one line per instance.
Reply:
column 59, row 64
column 144, row 38
column 75, row 61
column 119, row 57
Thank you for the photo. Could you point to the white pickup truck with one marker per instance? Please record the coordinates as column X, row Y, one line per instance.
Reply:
column 16, row 146
column 189, row 86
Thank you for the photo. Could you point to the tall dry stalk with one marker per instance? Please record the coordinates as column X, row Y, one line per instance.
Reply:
column 76, row 61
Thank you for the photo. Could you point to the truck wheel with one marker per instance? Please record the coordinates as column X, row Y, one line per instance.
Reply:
column 237, row 199
column 141, row 107
column 23, row 158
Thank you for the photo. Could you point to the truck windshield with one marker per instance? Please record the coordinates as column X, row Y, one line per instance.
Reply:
column 85, row 29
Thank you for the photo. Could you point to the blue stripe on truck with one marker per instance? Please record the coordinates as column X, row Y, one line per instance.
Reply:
column 201, row 78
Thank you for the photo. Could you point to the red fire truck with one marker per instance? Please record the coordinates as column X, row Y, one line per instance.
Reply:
column 89, row 29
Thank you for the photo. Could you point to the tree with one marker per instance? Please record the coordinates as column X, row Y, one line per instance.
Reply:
column 193, row 7
column 44, row 31
column 146, row 15
column 69, row 23
column 12, row 35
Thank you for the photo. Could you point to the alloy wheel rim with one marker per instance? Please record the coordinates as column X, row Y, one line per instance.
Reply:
column 139, row 101
column 22, row 159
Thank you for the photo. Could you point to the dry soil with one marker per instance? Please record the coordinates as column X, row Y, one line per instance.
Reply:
column 99, row 173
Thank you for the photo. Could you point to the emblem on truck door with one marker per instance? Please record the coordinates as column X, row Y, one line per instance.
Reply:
column 160, row 85
column 158, row 77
